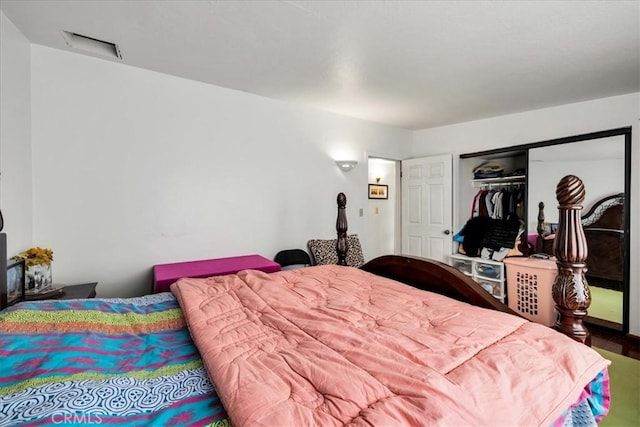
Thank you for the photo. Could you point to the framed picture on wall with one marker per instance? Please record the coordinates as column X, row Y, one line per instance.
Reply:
column 378, row 191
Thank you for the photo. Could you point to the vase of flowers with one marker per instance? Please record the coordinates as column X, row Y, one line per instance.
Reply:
column 37, row 263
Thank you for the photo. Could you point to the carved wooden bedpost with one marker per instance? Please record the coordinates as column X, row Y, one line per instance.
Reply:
column 570, row 289
column 341, row 227
column 540, row 229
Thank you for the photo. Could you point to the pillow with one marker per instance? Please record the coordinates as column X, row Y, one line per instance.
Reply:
column 324, row 251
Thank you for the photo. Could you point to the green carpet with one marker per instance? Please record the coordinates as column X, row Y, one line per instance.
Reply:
column 624, row 374
column 605, row 304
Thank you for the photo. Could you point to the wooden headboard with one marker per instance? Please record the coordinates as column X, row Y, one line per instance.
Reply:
column 603, row 227
column 607, row 213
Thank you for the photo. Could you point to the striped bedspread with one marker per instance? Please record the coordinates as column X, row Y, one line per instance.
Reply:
column 103, row 361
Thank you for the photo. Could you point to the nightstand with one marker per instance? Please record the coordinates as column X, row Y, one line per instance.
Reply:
column 84, row 290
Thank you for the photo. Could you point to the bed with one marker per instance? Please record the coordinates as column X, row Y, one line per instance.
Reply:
column 400, row 341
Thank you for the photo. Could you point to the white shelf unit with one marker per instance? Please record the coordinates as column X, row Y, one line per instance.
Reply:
column 488, row 273
column 499, row 181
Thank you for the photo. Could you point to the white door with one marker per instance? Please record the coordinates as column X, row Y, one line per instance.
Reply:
column 426, row 207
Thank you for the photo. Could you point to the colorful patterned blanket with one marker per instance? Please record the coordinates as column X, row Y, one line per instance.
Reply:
column 128, row 361
column 103, row 361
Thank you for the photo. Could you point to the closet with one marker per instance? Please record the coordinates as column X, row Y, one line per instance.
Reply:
column 601, row 159
column 514, row 178
column 490, row 197
column 496, row 200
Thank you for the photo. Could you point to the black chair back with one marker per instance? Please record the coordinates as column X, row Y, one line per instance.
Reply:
column 289, row 257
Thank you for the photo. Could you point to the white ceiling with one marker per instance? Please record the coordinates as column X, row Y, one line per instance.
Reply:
column 408, row 64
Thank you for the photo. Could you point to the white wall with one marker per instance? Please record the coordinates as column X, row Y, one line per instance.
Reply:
column 15, row 136
column 541, row 125
column 133, row 168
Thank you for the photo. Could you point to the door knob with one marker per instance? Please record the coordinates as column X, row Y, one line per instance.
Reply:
column 447, row 232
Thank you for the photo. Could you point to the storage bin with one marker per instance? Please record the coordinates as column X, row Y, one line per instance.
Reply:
column 490, row 271
column 529, row 284
column 494, row 287
column 462, row 265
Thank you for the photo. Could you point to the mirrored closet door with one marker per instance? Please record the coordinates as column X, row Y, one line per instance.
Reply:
column 602, row 162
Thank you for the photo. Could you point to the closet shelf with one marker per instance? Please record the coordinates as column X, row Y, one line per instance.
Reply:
column 502, row 180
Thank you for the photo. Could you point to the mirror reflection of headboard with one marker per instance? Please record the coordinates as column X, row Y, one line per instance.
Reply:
column 603, row 227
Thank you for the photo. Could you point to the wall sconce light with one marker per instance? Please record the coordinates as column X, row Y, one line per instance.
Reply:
column 346, row 165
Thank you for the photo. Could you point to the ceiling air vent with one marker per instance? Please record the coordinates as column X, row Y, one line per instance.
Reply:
column 91, row 45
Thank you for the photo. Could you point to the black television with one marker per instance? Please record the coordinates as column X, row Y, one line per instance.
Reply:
column 3, row 267
column 12, row 277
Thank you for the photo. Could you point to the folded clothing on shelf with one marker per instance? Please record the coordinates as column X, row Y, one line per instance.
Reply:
column 488, row 170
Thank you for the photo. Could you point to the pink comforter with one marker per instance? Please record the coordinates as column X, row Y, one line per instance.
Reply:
column 332, row 345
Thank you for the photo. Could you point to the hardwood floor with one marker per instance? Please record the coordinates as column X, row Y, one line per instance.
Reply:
column 615, row 342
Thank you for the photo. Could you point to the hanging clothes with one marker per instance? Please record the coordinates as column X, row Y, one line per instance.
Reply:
column 499, row 204
column 489, row 202
column 506, row 203
column 520, row 204
column 475, row 205
column 482, row 211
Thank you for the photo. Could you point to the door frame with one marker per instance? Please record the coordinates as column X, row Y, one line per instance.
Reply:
column 397, row 198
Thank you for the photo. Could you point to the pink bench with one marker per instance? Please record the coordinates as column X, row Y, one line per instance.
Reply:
column 166, row 274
